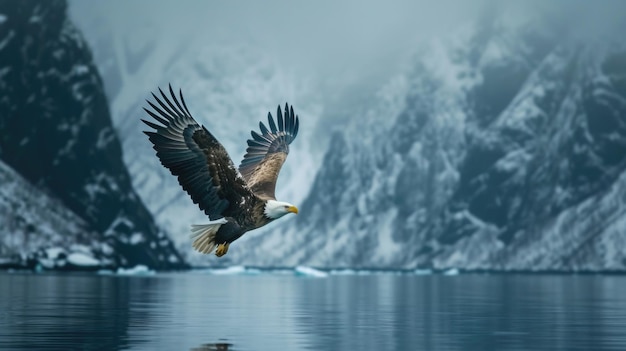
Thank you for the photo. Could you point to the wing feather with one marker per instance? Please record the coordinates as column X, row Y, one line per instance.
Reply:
column 263, row 128
column 159, row 111
column 270, row 120
column 169, row 103
column 258, row 143
column 279, row 115
column 288, row 121
column 256, row 136
column 195, row 157
column 156, row 117
column 267, row 152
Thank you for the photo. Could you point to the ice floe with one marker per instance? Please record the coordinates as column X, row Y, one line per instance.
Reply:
column 310, row 272
column 137, row 270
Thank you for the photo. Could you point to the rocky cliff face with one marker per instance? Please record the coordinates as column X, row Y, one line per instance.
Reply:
column 58, row 135
column 507, row 152
column 38, row 229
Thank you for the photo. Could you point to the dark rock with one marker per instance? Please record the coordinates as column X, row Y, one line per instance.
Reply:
column 58, row 132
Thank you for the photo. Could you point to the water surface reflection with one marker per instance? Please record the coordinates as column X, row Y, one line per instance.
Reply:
column 473, row 312
column 191, row 311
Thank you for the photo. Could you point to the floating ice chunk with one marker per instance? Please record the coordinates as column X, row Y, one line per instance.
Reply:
column 83, row 260
column 137, row 270
column 310, row 272
column 452, row 271
column 234, row 270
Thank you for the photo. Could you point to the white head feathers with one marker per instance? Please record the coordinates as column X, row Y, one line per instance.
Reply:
column 276, row 209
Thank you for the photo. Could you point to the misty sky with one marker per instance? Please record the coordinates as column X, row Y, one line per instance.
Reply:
column 344, row 46
column 341, row 44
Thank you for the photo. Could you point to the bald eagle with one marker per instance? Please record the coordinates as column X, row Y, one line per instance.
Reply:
column 236, row 200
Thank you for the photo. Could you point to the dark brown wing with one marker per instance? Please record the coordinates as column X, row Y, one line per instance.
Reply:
column 202, row 165
column 267, row 152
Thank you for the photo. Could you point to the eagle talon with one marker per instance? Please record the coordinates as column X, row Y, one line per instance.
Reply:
column 222, row 249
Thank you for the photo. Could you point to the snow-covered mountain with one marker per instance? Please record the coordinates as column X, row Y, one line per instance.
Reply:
column 507, row 151
column 501, row 148
column 58, row 135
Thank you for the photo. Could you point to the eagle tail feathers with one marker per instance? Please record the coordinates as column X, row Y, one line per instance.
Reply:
column 203, row 235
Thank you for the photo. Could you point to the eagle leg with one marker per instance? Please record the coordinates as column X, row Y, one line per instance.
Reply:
column 222, row 249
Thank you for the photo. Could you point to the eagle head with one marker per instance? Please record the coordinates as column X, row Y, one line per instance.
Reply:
column 276, row 209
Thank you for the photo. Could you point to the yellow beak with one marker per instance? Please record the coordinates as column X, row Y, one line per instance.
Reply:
column 292, row 209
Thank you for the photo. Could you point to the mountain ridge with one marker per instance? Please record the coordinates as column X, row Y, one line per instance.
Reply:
column 482, row 169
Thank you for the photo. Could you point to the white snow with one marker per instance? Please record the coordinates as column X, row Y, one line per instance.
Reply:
column 387, row 247
column 119, row 221
column 54, row 252
column 80, row 69
column 83, row 260
column 106, row 249
column 514, row 160
column 105, row 137
column 136, row 238
column 80, row 248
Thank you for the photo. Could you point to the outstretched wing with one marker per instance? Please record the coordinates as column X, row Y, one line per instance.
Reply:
column 267, row 152
column 191, row 152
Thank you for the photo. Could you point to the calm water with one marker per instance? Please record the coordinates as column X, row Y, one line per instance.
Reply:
column 191, row 311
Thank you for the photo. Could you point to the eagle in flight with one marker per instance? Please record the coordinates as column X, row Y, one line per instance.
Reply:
column 236, row 200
